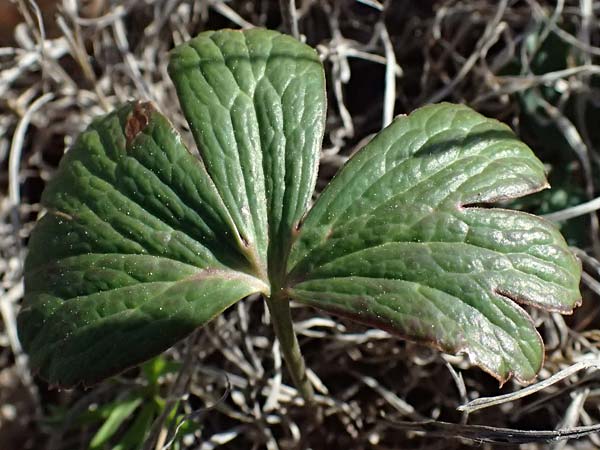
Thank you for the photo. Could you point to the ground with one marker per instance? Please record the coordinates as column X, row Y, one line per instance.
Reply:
column 531, row 64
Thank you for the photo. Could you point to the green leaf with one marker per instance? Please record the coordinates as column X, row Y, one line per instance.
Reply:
column 136, row 251
column 255, row 101
column 144, row 242
column 401, row 239
column 136, row 434
column 118, row 415
column 158, row 367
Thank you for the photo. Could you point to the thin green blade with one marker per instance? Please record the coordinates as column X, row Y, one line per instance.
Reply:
column 137, row 250
column 255, row 101
column 117, row 417
column 399, row 240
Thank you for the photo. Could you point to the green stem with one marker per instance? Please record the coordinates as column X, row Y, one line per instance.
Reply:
column 279, row 307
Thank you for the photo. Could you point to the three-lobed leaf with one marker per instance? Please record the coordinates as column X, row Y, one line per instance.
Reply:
column 143, row 242
column 399, row 240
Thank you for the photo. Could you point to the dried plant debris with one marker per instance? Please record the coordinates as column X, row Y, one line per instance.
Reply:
column 532, row 64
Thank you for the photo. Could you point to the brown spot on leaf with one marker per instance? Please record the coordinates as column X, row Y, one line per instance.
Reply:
column 137, row 120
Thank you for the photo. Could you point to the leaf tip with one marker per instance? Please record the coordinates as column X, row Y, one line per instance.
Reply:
column 524, row 379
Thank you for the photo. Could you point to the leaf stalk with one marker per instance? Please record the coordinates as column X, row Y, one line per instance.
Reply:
column 279, row 307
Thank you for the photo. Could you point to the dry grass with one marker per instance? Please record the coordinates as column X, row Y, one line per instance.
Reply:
column 68, row 65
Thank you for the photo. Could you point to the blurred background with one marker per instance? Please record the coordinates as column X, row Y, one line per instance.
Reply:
column 534, row 65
